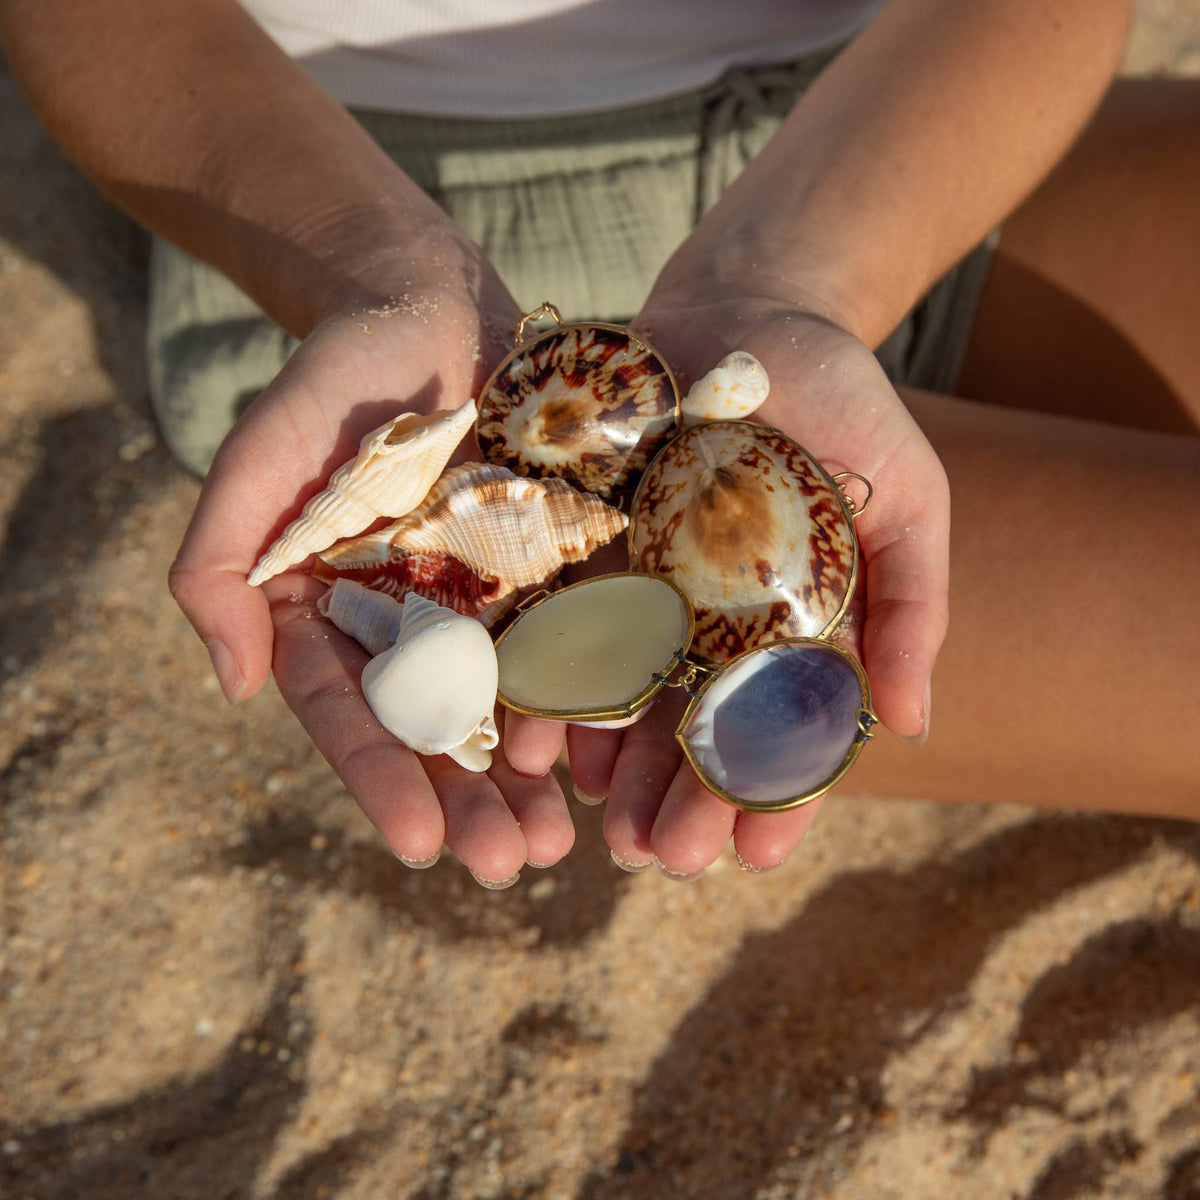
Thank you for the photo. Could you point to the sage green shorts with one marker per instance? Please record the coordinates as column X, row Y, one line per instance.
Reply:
column 581, row 210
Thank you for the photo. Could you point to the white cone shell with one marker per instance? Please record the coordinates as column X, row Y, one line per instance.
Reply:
column 435, row 688
column 733, row 389
column 395, row 467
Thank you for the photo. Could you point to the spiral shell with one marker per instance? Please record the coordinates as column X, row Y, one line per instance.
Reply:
column 435, row 688
column 395, row 467
column 479, row 538
column 751, row 529
column 734, row 388
column 590, row 404
column 371, row 618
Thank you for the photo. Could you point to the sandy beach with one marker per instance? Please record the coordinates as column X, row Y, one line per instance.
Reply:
column 216, row 983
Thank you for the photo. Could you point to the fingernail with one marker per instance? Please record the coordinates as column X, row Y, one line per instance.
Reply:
column 420, row 864
column 538, row 866
column 679, row 876
column 584, row 798
column 751, row 869
column 632, row 868
column 226, row 668
column 919, row 739
column 495, row 885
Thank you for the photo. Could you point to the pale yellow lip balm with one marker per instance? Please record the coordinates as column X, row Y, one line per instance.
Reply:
column 593, row 649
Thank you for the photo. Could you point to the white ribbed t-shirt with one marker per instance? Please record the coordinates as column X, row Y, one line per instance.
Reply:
column 528, row 58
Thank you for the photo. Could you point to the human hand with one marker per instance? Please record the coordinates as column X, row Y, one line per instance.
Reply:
column 427, row 343
column 828, row 393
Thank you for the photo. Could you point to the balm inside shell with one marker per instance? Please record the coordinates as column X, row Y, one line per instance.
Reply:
column 595, row 653
column 751, row 529
column 590, row 404
column 435, row 688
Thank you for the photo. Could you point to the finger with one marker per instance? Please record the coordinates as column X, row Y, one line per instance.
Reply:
column 318, row 669
column 764, row 840
column 247, row 486
column 593, row 755
column 539, row 808
column 531, row 746
column 692, row 826
column 645, row 766
column 907, row 550
column 481, row 829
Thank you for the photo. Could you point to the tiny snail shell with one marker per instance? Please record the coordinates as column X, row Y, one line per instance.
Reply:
column 734, row 388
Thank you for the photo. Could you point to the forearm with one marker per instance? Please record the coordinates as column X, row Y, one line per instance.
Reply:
column 187, row 115
column 929, row 129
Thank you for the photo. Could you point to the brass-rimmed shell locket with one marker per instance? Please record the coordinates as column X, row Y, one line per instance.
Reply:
column 773, row 728
column 587, row 402
column 754, row 532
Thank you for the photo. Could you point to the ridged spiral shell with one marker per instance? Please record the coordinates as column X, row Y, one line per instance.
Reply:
column 393, row 470
column 480, row 537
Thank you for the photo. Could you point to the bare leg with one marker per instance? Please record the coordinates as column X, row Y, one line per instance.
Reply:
column 1070, row 673
column 1093, row 303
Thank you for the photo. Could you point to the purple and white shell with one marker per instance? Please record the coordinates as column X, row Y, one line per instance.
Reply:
column 588, row 403
column 751, row 529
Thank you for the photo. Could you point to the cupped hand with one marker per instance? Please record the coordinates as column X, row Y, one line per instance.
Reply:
column 427, row 343
column 828, row 393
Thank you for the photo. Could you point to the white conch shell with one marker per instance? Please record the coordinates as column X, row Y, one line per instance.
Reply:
column 435, row 688
column 479, row 537
column 734, row 388
column 371, row 618
column 395, row 467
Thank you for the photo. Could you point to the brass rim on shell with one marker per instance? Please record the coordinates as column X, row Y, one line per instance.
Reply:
column 691, row 672
column 526, row 344
column 866, row 719
column 847, row 507
column 658, row 679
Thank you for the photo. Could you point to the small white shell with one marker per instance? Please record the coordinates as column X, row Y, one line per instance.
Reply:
column 435, row 688
column 371, row 618
column 734, row 388
column 395, row 467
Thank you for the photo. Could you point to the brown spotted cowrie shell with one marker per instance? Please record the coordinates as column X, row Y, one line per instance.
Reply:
column 588, row 403
column 753, row 531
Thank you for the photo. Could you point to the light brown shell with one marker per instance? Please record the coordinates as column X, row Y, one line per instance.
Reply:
column 481, row 537
column 395, row 466
column 588, row 403
column 751, row 529
column 733, row 389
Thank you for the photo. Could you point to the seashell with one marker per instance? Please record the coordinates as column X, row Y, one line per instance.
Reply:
column 778, row 726
column 591, row 404
column 479, row 538
column 751, row 529
column 594, row 653
column 734, row 388
column 371, row 618
column 395, row 467
column 435, row 688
